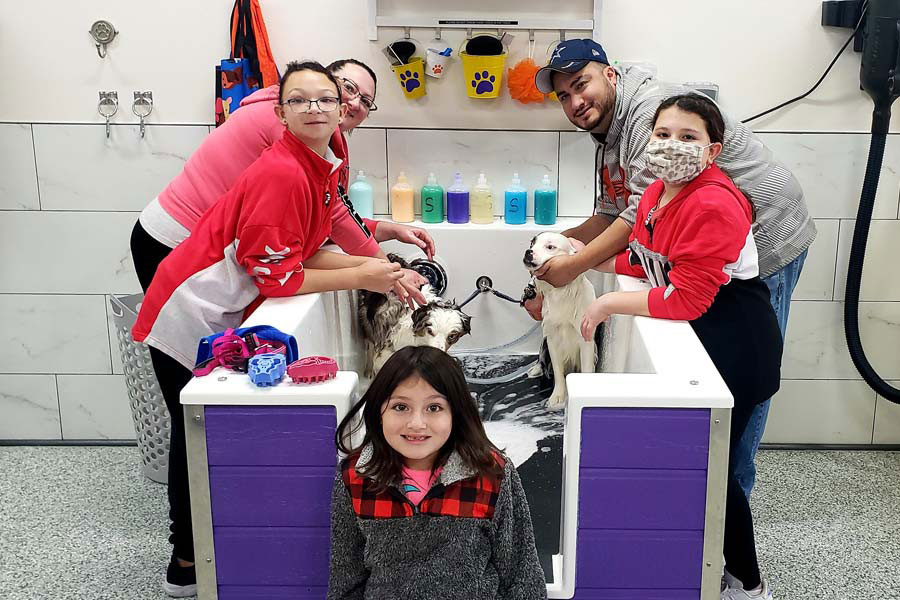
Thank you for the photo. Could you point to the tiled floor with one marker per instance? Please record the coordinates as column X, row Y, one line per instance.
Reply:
column 82, row 524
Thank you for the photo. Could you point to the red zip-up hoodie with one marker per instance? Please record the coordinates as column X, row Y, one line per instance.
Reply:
column 251, row 243
column 692, row 246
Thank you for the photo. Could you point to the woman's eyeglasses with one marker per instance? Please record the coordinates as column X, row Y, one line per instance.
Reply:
column 352, row 91
column 302, row 105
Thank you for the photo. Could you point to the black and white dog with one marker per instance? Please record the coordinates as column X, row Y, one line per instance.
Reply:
column 562, row 311
column 388, row 324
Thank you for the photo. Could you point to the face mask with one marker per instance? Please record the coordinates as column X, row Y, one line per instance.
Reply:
column 674, row 161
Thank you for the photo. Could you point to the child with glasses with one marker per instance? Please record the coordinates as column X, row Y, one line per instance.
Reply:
column 260, row 240
column 215, row 166
column 425, row 506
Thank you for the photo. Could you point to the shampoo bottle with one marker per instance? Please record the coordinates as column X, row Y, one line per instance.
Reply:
column 402, row 210
column 515, row 202
column 432, row 201
column 545, row 203
column 481, row 201
column 458, row 201
column 361, row 196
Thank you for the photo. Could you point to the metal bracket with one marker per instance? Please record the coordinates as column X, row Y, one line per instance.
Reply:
column 108, row 106
column 562, row 35
column 103, row 33
column 437, row 33
column 406, row 33
column 142, row 106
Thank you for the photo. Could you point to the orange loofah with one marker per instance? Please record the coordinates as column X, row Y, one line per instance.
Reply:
column 520, row 80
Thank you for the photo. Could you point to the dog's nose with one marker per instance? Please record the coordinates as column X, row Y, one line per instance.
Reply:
column 529, row 254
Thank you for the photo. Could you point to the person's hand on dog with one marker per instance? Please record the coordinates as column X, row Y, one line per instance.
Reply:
column 534, row 306
column 593, row 316
column 409, row 288
column 559, row 270
column 378, row 275
column 409, row 235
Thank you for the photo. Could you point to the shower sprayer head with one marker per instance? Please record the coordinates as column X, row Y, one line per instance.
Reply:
column 433, row 272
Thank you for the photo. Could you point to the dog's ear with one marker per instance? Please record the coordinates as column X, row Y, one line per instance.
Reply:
column 396, row 258
column 466, row 322
column 531, row 243
column 420, row 320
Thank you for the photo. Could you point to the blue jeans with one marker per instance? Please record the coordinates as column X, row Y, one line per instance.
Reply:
column 781, row 286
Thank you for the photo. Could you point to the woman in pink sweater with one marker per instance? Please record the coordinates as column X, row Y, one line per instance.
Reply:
column 232, row 147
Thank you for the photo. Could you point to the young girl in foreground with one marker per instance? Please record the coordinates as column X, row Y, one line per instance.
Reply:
column 692, row 240
column 426, row 507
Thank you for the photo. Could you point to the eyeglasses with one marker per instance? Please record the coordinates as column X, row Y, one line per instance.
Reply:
column 352, row 91
column 302, row 105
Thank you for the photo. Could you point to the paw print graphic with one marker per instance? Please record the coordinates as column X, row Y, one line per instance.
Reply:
column 437, row 69
column 483, row 82
column 409, row 80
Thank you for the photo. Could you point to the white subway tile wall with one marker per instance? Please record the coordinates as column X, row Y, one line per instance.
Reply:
column 69, row 197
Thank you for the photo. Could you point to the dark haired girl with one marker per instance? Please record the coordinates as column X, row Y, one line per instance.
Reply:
column 692, row 239
column 425, row 506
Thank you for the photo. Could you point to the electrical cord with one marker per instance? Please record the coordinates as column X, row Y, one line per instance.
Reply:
column 825, row 74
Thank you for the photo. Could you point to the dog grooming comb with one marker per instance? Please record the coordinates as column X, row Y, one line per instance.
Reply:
column 267, row 369
column 312, row 369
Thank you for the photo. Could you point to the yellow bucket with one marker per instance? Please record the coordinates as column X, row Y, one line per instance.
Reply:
column 411, row 77
column 483, row 74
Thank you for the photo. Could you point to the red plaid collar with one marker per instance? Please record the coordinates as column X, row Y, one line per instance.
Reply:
column 458, row 492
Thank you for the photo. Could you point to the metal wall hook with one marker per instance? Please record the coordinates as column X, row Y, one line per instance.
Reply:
column 437, row 33
column 103, row 33
column 562, row 35
column 406, row 33
column 108, row 106
column 142, row 106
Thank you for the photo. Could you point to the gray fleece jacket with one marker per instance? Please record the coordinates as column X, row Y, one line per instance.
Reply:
column 470, row 538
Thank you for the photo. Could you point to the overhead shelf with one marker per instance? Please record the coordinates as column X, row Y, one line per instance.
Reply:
column 438, row 23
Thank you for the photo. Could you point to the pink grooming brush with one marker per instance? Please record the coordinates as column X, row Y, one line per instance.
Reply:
column 312, row 369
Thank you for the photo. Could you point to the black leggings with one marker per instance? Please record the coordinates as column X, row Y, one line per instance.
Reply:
column 740, row 542
column 147, row 253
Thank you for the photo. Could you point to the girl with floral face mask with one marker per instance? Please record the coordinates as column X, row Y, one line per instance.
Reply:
column 692, row 240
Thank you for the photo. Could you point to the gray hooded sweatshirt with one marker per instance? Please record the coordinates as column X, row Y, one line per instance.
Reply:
column 470, row 538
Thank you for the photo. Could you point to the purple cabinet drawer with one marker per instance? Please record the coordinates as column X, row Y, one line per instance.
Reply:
column 644, row 438
column 271, row 496
column 271, row 435
column 272, row 556
column 632, row 559
column 641, row 499
column 280, row 592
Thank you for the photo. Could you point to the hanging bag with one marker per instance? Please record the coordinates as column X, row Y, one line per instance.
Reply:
column 251, row 64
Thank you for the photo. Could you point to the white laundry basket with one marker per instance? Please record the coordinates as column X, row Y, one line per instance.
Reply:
column 148, row 408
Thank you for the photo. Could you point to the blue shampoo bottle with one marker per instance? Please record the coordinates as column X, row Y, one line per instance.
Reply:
column 545, row 203
column 515, row 202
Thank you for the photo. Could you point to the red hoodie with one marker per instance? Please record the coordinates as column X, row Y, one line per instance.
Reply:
column 251, row 243
column 692, row 246
column 226, row 152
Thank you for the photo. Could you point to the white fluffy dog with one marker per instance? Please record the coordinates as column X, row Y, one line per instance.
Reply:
column 388, row 324
column 562, row 311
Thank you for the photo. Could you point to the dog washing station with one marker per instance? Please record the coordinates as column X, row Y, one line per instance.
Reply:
column 626, row 486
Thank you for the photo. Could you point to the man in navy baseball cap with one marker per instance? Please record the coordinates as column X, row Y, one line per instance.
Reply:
column 570, row 56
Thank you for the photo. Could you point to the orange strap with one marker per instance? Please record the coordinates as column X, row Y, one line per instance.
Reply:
column 267, row 67
column 268, row 70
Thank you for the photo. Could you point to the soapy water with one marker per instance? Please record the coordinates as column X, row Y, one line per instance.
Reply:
column 518, row 422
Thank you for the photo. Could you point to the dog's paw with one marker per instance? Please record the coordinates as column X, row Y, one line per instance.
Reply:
column 535, row 371
column 556, row 402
